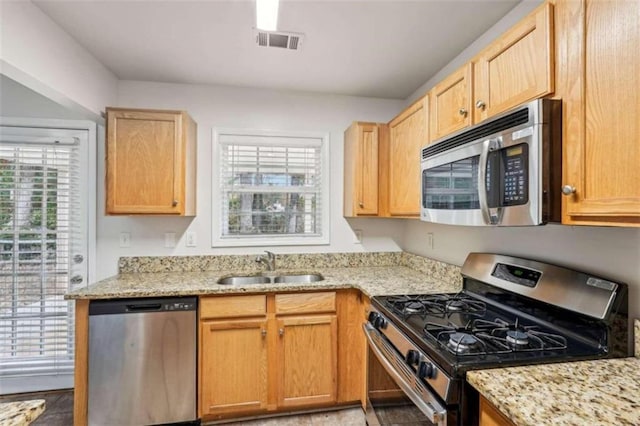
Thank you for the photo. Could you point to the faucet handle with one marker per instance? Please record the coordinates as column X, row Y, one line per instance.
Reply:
column 270, row 254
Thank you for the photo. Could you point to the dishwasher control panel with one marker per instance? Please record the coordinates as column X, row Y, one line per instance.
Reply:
column 142, row 305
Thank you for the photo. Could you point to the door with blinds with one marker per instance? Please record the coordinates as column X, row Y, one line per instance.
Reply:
column 43, row 253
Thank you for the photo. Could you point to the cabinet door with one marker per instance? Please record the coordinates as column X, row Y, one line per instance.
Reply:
column 451, row 104
column 307, row 366
column 233, row 372
column 517, row 67
column 361, row 170
column 407, row 137
column 599, row 81
column 490, row 416
column 144, row 162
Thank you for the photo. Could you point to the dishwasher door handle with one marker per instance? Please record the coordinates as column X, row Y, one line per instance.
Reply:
column 144, row 308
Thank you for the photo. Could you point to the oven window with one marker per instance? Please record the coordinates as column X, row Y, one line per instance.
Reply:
column 452, row 186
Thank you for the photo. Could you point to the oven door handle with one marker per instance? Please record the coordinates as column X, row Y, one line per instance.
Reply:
column 434, row 411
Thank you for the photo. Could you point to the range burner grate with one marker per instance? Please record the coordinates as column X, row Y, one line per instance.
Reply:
column 439, row 305
column 483, row 337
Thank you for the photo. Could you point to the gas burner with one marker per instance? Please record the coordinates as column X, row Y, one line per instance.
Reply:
column 462, row 343
column 455, row 305
column 517, row 338
column 413, row 307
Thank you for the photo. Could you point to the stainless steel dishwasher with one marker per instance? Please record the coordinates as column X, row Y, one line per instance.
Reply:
column 142, row 361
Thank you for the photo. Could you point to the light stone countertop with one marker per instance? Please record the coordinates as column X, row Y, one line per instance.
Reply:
column 20, row 413
column 371, row 280
column 594, row 393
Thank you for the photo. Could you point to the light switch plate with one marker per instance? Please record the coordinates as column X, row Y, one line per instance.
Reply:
column 169, row 239
column 191, row 240
column 125, row 239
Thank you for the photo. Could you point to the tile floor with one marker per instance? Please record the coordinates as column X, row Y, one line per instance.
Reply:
column 59, row 412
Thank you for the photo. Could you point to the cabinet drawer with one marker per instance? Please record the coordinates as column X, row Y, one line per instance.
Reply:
column 300, row 303
column 233, row 306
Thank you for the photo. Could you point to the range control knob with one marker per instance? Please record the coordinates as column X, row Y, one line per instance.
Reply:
column 426, row 370
column 380, row 322
column 377, row 320
column 413, row 357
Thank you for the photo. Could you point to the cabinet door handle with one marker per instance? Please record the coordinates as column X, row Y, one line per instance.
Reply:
column 480, row 104
column 174, row 203
column 281, row 331
column 361, row 204
column 463, row 112
column 263, row 332
column 568, row 190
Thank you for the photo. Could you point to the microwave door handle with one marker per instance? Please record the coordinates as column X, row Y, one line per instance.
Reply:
column 482, row 182
column 487, row 216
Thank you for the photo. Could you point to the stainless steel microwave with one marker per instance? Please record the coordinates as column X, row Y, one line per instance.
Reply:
column 504, row 171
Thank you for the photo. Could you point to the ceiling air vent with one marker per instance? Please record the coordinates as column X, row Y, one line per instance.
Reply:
column 279, row 39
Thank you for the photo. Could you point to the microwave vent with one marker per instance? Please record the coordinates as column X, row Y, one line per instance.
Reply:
column 279, row 39
column 506, row 122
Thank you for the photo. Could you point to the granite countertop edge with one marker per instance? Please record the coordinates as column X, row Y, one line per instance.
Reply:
column 598, row 392
column 20, row 413
column 371, row 280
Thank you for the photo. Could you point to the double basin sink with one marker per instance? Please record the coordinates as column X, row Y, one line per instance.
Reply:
column 262, row 279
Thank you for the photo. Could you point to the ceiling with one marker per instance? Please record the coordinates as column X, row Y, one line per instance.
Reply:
column 384, row 49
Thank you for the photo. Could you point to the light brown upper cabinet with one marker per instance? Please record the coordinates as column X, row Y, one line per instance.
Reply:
column 451, row 103
column 598, row 79
column 151, row 162
column 407, row 135
column 361, row 145
column 517, row 67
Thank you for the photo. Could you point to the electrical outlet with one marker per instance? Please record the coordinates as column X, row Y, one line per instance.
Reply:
column 125, row 239
column 191, row 239
column 357, row 236
column 169, row 239
column 430, row 240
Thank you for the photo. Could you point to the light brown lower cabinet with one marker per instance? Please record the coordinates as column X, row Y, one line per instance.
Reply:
column 307, row 364
column 490, row 416
column 279, row 352
column 234, row 366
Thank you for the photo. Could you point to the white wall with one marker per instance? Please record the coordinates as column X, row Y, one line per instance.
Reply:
column 17, row 100
column 233, row 107
column 37, row 53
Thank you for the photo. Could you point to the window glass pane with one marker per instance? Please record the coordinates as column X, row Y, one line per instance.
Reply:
column 40, row 217
column 270, row 189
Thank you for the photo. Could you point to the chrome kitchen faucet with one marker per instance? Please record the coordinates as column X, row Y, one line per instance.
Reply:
column 269, row 260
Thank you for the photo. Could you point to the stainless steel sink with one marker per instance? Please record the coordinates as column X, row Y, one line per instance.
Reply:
column 238, row 280
column 259, row 279
column 298, row 278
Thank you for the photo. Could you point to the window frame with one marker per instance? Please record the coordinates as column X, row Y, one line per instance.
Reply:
column 218, row 240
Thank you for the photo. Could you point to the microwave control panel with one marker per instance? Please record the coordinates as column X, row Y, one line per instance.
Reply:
column 508, row 176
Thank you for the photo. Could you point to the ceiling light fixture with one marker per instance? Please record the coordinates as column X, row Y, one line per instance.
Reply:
column 267, row 15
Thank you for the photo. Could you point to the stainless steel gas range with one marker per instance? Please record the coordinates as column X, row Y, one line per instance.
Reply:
column 511, row 312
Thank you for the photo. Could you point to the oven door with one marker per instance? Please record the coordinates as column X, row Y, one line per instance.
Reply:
column 395, row 396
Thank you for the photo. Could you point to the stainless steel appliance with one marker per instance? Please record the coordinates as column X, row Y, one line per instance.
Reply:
column 505, row 171
column 142, row 361
column 511, row 312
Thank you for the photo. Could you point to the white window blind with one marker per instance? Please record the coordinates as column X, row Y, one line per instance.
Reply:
column 41, row 229
column 272, row 186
